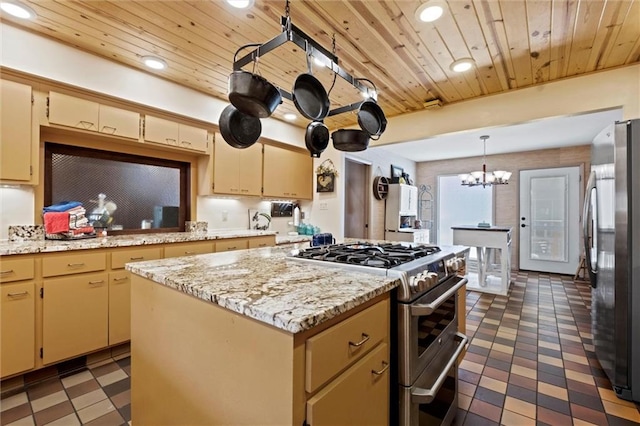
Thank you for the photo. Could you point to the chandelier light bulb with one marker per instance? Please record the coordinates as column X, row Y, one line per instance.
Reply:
column 484, row 178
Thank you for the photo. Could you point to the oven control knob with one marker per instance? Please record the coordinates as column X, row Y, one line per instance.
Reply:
column 433, row 279
column 453, row 265
column 422, row 283
column 413, row 284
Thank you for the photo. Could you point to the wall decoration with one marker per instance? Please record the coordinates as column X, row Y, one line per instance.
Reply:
column 326, row 173
column 396, row 173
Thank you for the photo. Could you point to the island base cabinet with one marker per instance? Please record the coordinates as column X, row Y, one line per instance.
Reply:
column 75, row 316
column 17, row 341
column 368, row 380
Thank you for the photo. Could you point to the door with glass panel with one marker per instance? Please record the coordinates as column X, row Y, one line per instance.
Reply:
column 550, row 219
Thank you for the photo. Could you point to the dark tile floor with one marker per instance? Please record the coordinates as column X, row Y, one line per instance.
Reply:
column 530, row 362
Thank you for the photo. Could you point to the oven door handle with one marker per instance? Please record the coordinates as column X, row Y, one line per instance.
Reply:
column 426, row 396
column 420, row 309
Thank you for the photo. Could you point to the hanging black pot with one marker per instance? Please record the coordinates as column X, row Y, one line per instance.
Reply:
column 316, row 138
column 371, row 118
column 350, row 140
column 252, row 94
column 239, row 129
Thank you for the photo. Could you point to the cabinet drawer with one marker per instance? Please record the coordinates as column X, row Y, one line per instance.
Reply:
column 188, row 249
column 17, row 341
column 334, row 349
column 267, row 241
column 232, row 244
column 120, row 257
column 76, row 263
column 359, row 396
column 15, row 269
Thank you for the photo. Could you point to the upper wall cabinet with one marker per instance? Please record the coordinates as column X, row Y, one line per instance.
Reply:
column 170, row 133
column 87, row 115
column 237, row 171
column 15, row 132
column 287, row 173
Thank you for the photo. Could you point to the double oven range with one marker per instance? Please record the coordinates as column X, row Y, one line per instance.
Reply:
column 424, row 322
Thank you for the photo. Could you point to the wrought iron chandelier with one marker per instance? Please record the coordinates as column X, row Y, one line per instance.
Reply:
column 499, row 177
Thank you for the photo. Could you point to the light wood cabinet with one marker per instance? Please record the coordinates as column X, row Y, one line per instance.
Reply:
column 83, row 114
column 75, row 313
column 73, row 263
column 119, row 307
column 16, row 269
column 167, row 132
column 287, row 173
column 123, row 256
column 17, row 341
column 360, row 396
column 15, row 131
column 188, row 249
column 265, row 241
column 232, row 244
column 236, row 171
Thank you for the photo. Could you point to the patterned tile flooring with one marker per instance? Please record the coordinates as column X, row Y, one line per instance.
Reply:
column 530, row 362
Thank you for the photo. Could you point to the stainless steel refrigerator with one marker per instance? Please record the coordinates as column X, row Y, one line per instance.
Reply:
column 611, row 223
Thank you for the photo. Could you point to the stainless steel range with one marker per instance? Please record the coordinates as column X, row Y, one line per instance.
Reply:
column 425, row 330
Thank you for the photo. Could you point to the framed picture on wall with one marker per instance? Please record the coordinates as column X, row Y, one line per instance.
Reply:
column 396, row 173
column 325, row 182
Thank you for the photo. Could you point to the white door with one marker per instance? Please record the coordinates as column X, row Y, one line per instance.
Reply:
column 550, row 219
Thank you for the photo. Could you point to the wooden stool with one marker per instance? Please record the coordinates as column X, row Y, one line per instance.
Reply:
column 581, row 272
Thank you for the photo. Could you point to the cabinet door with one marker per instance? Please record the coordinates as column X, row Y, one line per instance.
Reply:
column 301, row 176
column 74, row 316
column 226, row 168
column 161, row 131
column 15, row 138
column 119, row 307
column 277, row 172
column 73, row 112
column 17, row 341
column 192, row 138
column 359, row 396
column 119, row 122
column 250, row 170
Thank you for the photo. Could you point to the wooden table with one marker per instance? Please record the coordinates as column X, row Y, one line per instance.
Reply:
column 490, row 277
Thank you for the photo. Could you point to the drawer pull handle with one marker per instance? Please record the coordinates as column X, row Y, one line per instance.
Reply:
column 7, row 272
column 22, row 293
column 86, row 124
column 120, row 279
column 365, row 337
column 137, row 258
column 75, row 265
column 186, row 143
column 170, row 140
column 385, row 367
column 113, row 129
column 96, row 282
column 231, row 248
column 189, row 252
column 262, row 245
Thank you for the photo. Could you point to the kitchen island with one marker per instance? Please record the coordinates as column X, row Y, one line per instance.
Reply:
column 255, row 337
column 491, row 242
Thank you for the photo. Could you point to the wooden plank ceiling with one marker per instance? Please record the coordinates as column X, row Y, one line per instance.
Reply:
column 514, row 43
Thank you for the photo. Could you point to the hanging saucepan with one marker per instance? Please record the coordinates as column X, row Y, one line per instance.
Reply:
column 251, row 93
column 350, row 140
column 309, row 96
column 371, row 117
column 316, row 138
column 238, row 129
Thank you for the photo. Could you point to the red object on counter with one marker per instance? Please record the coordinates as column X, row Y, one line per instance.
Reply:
column 55, row 222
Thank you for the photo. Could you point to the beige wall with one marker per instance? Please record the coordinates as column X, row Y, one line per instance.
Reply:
column 507, row 196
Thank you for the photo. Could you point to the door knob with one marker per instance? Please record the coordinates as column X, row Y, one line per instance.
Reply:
column 522, row 218
column 523, row 226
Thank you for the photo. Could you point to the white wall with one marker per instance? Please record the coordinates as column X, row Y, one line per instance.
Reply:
column 16, row 208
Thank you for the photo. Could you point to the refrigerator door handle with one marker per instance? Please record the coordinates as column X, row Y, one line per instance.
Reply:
column 586, row 215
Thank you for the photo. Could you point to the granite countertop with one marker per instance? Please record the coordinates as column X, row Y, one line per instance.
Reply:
column 482, row 228
column 50, row 246
column 291, row 239
column 266, row 285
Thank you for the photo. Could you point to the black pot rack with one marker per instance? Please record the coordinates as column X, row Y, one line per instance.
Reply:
column 291, row 33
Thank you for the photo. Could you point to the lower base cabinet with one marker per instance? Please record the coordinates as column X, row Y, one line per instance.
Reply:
column 75, row 316
column 369, row 380
column 17, row 318
column 119, row 307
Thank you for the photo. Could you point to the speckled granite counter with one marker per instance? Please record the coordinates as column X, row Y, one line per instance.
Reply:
column 50, row 246
column 290, row 239
column 265, row 285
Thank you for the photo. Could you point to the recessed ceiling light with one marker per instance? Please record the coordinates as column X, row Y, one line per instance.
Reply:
column 154, row 62
column 18, row 10
column 461, row 65
column 429, row 11
column 240, row 4
column 290, row 116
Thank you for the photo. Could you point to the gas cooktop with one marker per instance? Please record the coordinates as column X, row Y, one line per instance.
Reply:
column 386, row 255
